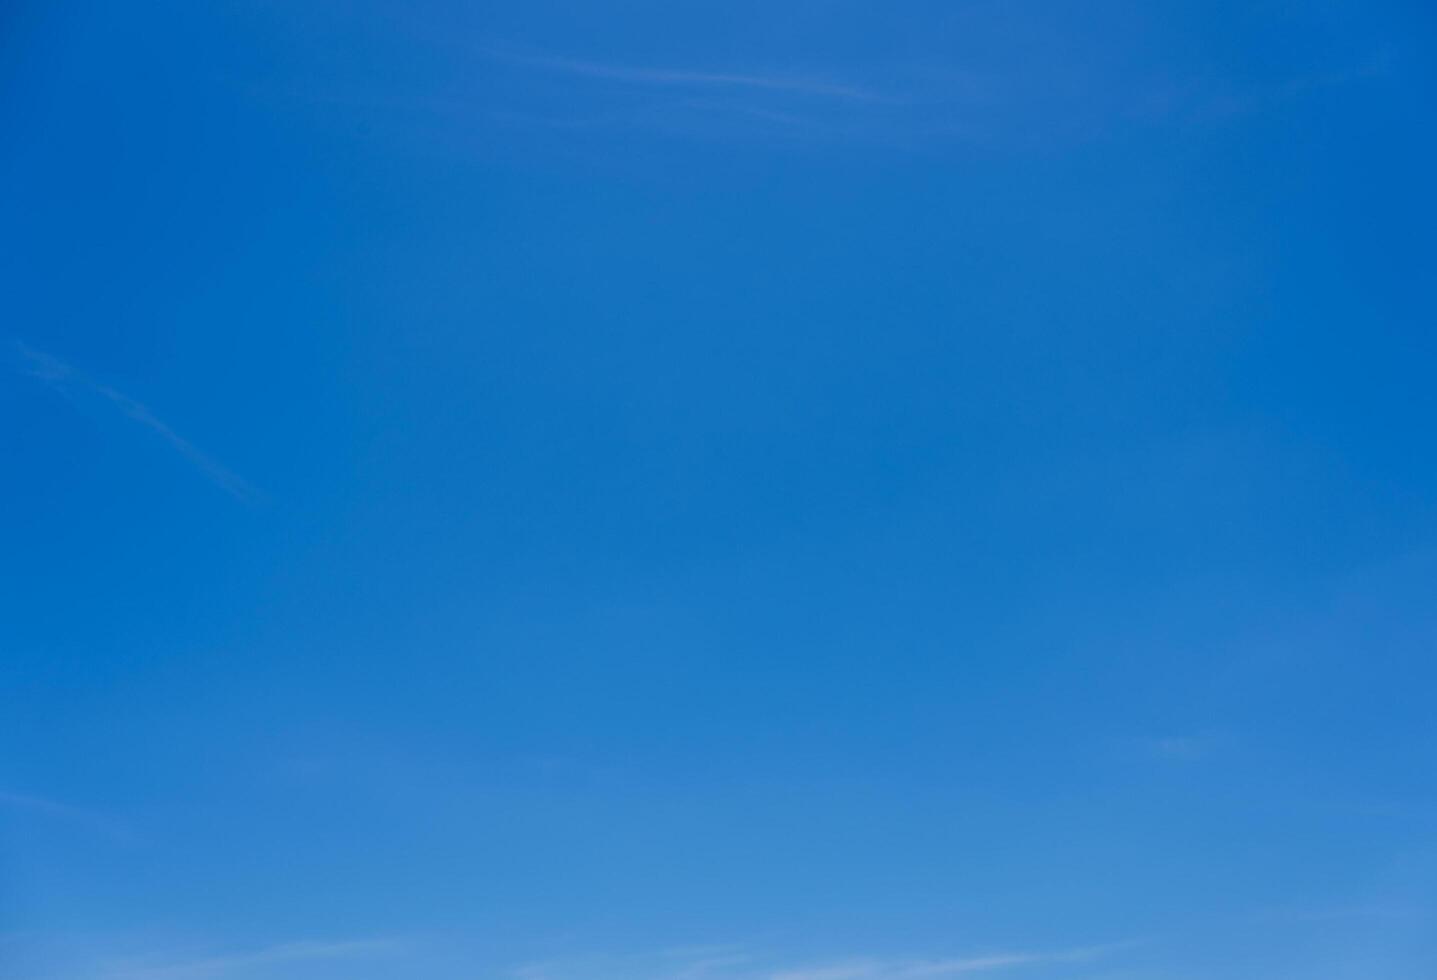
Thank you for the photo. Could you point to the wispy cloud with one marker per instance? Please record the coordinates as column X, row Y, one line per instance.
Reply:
column 937, row 968
column 65, row 813
column 733, row 964
column 793, row 84
column 920, row 103
column 62, row 377
column 244, row 963
column 685, row 963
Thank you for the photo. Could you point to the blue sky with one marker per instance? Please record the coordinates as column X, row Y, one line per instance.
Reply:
column 692, row 491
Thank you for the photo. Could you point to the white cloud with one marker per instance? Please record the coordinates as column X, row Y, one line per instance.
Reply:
column 224, row 965
column 735, row 965
column 64, row 812
column 61, row 376
column 794, row 84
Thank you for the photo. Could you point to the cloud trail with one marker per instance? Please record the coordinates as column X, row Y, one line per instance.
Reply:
column 736, row 965
column 954, row 967
column 200, row 968
column 681, row 77
column 61, row 376
column 64, row 812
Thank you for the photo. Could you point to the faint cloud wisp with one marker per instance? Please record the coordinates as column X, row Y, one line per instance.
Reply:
column 239, row 964
column 736, row 965
column 62, row 377
column 686, row 78
column 65, row 813
column 920, row 103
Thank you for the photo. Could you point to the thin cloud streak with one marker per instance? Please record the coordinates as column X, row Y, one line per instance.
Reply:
column 739, row 966
column 930, row 970
column 64, row 812
column 681, row 77
column 61, row 376
column 199, row 968
column 930, row 104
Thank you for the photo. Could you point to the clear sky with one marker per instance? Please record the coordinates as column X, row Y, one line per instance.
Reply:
column 760, row 490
